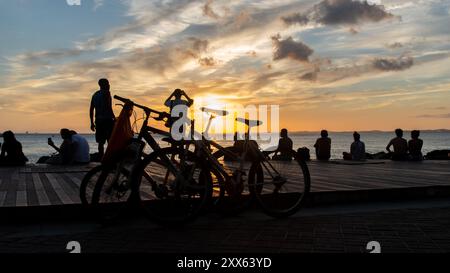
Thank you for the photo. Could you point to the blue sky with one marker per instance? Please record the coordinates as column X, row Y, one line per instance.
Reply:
column 336, row 64
column 45, row 24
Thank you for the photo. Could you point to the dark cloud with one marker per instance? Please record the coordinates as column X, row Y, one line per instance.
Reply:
column 264, row 79
column 194, row 48
column 198, row 44
column 208, row 11
column 340, row 12
column 252, row 53
column 207, row 61
column 353, row 31
column 311, row 76
column 394, row 45
column 393, row 64
column 289, row 48
column 296, row 18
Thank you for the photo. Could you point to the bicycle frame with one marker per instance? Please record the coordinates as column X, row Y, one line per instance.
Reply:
column 144, row 134
column 204, row 144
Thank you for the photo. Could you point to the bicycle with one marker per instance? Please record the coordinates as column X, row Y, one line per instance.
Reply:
column 279, row 187
column 134, row 183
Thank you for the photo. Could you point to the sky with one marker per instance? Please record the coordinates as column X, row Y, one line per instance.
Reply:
column 342, row 65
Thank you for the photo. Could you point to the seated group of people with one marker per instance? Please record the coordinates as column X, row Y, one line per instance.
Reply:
column 403, row 150
column 73, row 150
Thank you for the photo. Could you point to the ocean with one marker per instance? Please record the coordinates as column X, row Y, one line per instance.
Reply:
column 35, row 145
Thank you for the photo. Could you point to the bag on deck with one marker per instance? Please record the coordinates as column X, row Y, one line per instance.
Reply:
column 438, row 155
column 121, row 136
column 303, row 154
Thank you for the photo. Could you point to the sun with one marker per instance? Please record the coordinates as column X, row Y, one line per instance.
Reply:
column 210, row 101
column 219, row 125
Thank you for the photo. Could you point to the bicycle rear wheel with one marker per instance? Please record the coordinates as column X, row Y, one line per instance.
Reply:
column 282, row 188
column 232, row 196
column 173, row 186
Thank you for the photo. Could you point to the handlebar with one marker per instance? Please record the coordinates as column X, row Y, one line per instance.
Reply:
column 147, row 110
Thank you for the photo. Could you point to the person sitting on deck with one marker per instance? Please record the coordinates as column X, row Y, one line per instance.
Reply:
column 400, row 146
column 73, row 150
column 65, row 151
column 238, row 148
column 415, row 146
column 80, row 148
column 284, row 147
column 357, row 149
column 238, row 144
column 323, row 146
column 11, row 151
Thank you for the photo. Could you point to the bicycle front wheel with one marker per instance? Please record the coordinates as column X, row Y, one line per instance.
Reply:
column 282, row 187
column 173, row 186
column 112, row 191
column 87, row 185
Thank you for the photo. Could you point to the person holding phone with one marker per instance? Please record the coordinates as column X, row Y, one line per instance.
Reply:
column 65, row 150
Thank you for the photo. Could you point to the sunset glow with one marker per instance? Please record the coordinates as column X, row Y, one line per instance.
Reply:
column 385, row 68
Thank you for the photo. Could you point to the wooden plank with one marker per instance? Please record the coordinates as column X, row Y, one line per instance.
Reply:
column 75, row 179
column 58, row 189
column 21, row 182
column 32, row 199
column 11, row 194
column 21, row 199
column 70, row 191
column 51, row 193
column 2, row 197
column 50, row 185
column 40, row 190
column 72, row 181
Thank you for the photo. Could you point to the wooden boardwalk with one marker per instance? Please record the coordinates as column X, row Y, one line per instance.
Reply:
column 45, row 186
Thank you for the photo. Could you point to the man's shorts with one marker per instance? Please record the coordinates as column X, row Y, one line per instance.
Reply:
column 103, row 130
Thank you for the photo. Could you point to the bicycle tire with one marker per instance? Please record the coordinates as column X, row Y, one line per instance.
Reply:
column 112, row 192
column 228, row 204
column 87, row 185
column 272, row 193
column 158, row 198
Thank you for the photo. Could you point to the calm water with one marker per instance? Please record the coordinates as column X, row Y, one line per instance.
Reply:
column 35, row 145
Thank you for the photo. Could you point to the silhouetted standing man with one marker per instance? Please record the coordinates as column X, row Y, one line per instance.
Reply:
column 101, row 103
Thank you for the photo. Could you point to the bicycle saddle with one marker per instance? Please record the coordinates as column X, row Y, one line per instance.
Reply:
column 214, row 112
column 250, row 123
